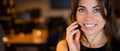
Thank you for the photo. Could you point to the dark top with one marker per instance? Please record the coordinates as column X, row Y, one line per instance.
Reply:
column 115, row 46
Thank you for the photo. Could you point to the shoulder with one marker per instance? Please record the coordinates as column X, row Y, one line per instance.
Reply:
column 61, row 46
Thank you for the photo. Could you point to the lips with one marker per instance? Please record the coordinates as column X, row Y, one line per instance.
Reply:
column 89, row 25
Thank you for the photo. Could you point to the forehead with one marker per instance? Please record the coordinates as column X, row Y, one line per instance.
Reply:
column 88, row 2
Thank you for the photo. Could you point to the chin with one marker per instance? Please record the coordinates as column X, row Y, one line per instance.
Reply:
column 89, row 32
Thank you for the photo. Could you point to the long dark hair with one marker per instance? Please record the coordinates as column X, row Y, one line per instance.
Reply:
column 110, row 28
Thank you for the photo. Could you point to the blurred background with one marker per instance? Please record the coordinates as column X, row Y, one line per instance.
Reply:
column 36, row 25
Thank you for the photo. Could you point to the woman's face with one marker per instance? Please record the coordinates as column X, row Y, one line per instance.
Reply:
column 89, row 17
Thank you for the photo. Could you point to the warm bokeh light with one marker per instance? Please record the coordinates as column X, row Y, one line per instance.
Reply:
column 5, row 39
column 38, row 33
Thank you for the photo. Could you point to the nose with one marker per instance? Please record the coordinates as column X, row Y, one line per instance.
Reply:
column 88, row 16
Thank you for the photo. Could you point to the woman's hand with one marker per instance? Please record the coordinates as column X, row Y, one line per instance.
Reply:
column 73, row 37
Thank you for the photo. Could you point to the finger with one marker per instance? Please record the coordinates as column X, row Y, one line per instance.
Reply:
column 77, row 36
column 70, row 30
column 74, row 23
column 70, row 36
column 73, row 33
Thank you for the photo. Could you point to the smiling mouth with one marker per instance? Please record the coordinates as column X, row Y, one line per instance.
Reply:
column 89, row 25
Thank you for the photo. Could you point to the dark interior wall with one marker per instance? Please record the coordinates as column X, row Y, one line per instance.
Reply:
column 116, row 5
column 2, row 8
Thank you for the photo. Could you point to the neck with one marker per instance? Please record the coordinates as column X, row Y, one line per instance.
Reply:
column 94, row 40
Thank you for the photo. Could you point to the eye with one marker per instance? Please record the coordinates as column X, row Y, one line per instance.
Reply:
column 96, row 10
column 81, row 10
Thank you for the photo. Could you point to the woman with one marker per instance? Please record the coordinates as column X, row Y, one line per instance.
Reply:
column 96, row 27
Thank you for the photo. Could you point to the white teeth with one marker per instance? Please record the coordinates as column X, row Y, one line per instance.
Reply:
column 89, row 25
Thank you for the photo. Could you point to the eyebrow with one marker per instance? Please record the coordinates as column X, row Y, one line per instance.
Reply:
column 95, row 6
column 84, row 7
column 81, row 6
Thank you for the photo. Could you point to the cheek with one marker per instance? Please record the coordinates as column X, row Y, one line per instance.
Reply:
column 79, row 18
column 102, row 21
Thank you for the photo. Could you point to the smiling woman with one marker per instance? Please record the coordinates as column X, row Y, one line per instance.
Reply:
column 98, row 29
